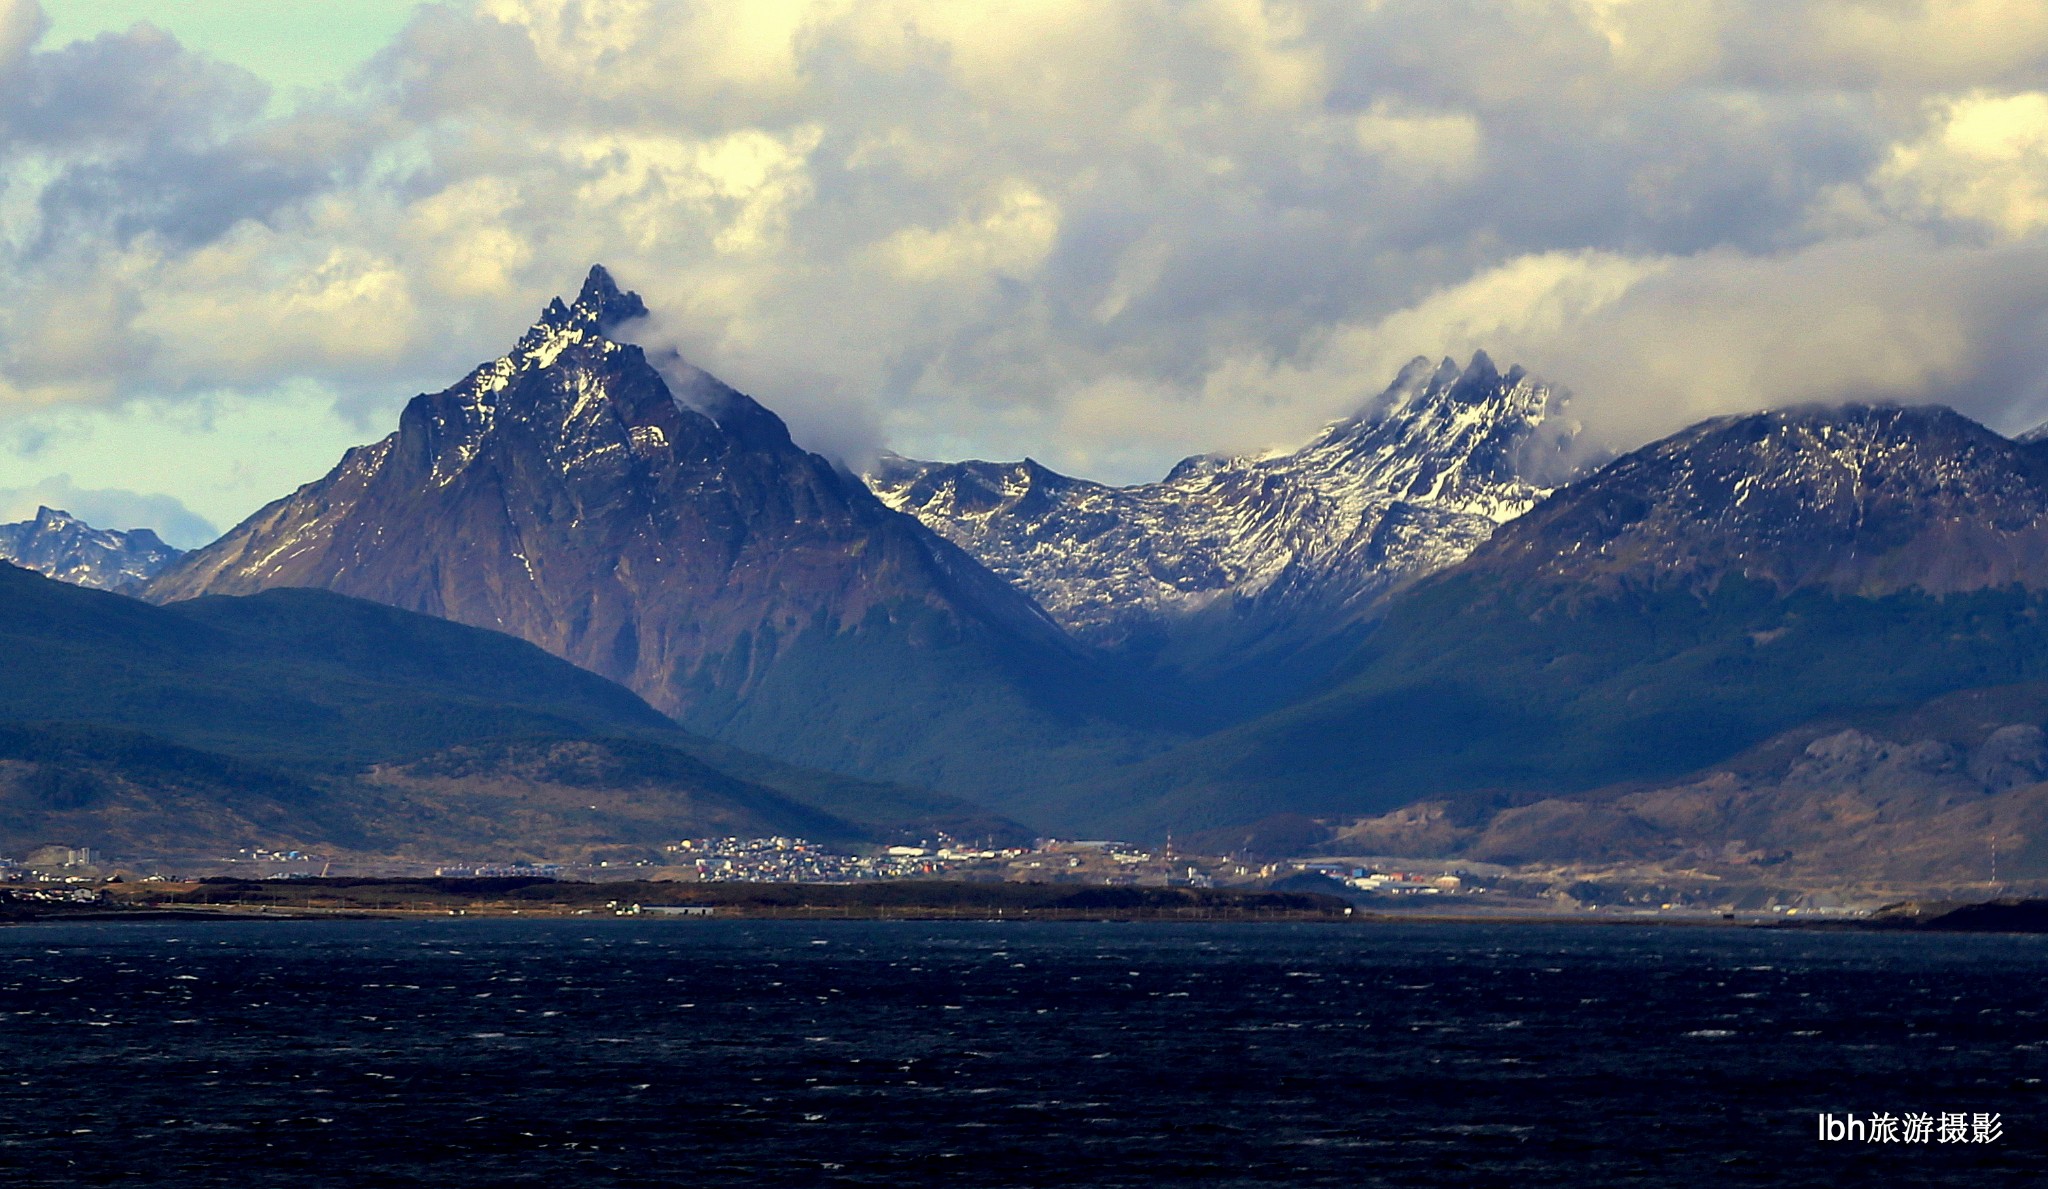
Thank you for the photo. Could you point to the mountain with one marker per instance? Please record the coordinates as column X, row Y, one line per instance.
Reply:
column 66, row 548
column 300, row 717
column 1685, row 602
column 640, row 518
column 1231, row 556
column 1862, row 500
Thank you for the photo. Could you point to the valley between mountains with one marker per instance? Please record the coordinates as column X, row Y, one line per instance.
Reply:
column 589, row 598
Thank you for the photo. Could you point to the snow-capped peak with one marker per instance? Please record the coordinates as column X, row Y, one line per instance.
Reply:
column 581, row 330
column 1408, row 485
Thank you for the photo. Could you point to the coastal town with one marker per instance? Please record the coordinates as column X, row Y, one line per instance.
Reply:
column 1374, row 883
column 775, row 859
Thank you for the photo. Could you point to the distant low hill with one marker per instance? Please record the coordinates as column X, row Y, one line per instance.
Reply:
column 1952, row 792
column 304, row 718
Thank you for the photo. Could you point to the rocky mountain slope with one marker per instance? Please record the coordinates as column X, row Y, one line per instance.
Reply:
column 66, row 548
column 1862, row 500
column 1680, row 605
column 306, row 719
column 647, row 522
column 1235, row 553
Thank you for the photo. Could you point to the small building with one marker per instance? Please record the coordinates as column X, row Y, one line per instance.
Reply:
column 60, row 856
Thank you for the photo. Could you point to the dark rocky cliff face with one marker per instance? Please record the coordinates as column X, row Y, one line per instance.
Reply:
column 644, row 520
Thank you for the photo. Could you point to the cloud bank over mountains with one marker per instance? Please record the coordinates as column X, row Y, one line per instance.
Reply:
column 1105, row 235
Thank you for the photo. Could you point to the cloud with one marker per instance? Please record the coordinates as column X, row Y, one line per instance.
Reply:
column 1105, row 235
column 248, row 305
column 1428, row 144
column 109, row 508
column 1650, row 344
column 1897, row 317
column 1938, row 44
column 1984, row 162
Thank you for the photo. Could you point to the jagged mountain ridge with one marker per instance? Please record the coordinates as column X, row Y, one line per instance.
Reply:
column 1249, row 544
column 644, row 520
column 60, row 545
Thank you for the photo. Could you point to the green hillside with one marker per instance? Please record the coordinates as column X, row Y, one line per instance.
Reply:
column 303, row 716
column 295, row 675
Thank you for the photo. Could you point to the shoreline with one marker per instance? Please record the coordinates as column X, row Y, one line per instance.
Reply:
column 913, row 900
column 146, row 914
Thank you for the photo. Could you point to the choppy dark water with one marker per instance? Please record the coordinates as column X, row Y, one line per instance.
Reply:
column 574, row 1053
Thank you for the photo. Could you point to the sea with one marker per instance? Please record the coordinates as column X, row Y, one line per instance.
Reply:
column 636, row 1052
